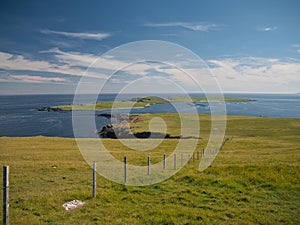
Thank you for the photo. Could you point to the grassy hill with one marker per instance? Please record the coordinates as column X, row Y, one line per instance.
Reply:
column 255, row 179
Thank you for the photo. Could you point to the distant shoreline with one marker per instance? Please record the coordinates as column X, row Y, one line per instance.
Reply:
column 115, row 93
column 141, row 102
column 19, row 115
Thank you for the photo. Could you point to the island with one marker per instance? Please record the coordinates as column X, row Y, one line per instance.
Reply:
column 141, row 102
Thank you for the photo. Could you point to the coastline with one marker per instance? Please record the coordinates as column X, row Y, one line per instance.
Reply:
column 142, row 102
column 19, row 115
column 204, row 121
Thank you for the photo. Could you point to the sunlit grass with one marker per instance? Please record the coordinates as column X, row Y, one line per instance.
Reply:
column 255, row 179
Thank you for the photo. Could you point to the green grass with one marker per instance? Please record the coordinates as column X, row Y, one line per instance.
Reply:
column 103, row 105
column 146, row 101
column 255, row 179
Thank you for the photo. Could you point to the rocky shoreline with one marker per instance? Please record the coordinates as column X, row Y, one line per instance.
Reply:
column 122, row 130
column 50, row 109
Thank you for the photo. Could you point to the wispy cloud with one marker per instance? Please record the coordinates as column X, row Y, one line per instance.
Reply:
column 255, row 74
column 69, row 63
column 267, row 28
column 37, row 79
column 82, row 35
column 19, row 62
column 296, row 46
column 194, row 26
column 244, row 74
column 31, row 79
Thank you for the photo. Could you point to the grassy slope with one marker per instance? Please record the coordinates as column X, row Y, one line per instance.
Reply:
column 255, row 179
column 147, row 100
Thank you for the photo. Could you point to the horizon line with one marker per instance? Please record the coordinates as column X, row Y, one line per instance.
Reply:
column 12, row 94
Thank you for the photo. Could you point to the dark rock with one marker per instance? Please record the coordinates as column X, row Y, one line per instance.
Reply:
column 106, row 115
column 147, row 134
column 122, row 118
column 122, row 129
column 109, row 131
column 50, row 109
column 120, row 132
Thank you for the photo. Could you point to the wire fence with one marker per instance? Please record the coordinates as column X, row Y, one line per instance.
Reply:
column 37, row 184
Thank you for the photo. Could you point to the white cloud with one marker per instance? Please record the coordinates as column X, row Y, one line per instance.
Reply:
column 196, row 26
column 254, row 74
column 97, row 63
column 267, row 29
column 72, row 59
column 31, row 79
column 19, row 62
column 297, row 47
column 82, row 35
column 37, row 79
column 71, row 63
column 245, row 74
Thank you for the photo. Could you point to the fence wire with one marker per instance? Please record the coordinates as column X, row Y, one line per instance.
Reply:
column 54, row 182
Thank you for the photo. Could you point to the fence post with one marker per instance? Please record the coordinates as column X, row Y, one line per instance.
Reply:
column 189, row 158
column 94, row 180
column 182, row 159
column 174, row 161
column 125, row 172
column 148, row 165
column 203, row 152
column 198, row 155
column 164, row 163
column 5, row 195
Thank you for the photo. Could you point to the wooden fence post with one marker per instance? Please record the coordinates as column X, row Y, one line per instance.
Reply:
column 125, row 172
column 175, row 162
column 94, row 180
column 164, row 163
column 5, row 195
column 148, row 165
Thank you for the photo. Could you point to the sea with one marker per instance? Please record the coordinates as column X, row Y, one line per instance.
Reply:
column 20, row 117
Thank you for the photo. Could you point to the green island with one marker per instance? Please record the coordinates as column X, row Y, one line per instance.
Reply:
column 255, row 179
column 146, row 101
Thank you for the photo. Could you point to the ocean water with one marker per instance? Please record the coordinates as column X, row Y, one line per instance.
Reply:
column 19, row 115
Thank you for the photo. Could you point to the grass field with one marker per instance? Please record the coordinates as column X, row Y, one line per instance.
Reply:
column 255, row 179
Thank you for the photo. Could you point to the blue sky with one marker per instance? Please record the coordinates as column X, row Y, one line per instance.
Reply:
column 250, row 46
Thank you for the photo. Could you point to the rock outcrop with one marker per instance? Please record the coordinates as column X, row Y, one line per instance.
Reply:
column 122, row 118
column 50, row 109
column 122, row 131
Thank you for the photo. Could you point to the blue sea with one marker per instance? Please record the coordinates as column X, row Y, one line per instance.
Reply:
column 19, row 115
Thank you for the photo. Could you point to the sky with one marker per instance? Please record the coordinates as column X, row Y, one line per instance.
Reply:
column 46, row 47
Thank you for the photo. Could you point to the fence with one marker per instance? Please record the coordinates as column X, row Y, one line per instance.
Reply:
column 19, row 191
column 44, row 183
column 5, row 195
